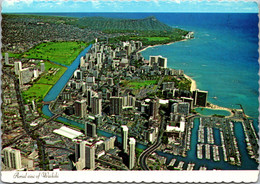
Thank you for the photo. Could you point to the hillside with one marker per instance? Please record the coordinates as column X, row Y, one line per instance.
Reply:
column 103, row 23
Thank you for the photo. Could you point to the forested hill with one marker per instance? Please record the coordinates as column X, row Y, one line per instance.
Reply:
column 93, row 23
column 103, row 23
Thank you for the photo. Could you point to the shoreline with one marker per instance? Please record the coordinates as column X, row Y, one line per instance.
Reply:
column 194, row 84
column 150, row 46
column 210, row 106
column 216, row 107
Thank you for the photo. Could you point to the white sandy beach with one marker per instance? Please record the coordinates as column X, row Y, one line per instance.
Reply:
column 193, row 86
column 160, row 44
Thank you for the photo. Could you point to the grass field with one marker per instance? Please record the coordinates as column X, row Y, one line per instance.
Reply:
column 14, row 55
column 157, row 38
column 151, row 39
column 139, row 84
column 36, row 92
column 49, row 77
column 60, row 52
column 40, row 88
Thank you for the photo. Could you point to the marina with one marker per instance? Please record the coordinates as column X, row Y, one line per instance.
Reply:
column 210, row 137
column 207, row 151
column 180, row 166
column 203, row 168
column 216, row 156
column 201, row 134
column 190, row 166
column 172, row 162
column 199, row 151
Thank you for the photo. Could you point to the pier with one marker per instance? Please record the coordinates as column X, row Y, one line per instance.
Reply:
column 216, row 156
column 199, row 151
column 190, row 166
column 207, row 151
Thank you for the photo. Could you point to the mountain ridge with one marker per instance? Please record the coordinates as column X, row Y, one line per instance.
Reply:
column 104, row 23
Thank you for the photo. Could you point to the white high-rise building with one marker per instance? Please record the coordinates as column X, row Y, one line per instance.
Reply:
column 161, row 61
column 82, row 152
column 42, row 67
column 6, row 58
column 33, row 105
column 82, row 62
column 12, row 158
column 124, row 137
column 35, row 73
column 132, row 153
column 25, row 76
column 17, row 67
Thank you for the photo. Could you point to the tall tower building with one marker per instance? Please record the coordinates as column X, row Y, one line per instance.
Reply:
column 89, row 97
column 90, row 157
column 82, row 151
column 116, row 105
column 77, row 151
column 82, row 62
column 42, row 67
column 154, row 108
column 99, row 58
column 162, row 62
column 80, row 108
column 17, row 67
column 97, row 106
column 90, row 129
column 12, row 158
column 153, row 60
column 200, row 98
column 6, row 58
column 124, row 129
column 132, row 153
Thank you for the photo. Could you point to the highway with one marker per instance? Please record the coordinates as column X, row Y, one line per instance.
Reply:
column 146, row 153
column 142, row 158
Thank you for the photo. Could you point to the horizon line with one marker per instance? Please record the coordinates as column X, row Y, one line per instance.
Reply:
column 136, row 12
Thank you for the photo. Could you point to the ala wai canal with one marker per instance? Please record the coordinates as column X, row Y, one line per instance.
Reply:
column 247, row 162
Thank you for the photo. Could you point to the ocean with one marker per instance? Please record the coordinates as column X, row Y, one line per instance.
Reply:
column 222, row 58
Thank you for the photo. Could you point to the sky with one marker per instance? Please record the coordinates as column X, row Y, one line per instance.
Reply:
column 32, row 6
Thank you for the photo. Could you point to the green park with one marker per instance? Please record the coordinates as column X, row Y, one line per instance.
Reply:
column 41, row 87
column 60, row 52
column 138, row 84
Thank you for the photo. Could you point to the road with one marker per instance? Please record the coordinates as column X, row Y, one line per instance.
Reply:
column 146, row 153
column 142, row 158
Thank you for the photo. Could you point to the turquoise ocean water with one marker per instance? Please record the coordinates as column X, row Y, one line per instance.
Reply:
column 223, row 59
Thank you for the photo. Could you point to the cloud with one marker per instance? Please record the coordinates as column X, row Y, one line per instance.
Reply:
column 96, row 3
column 156, row 2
